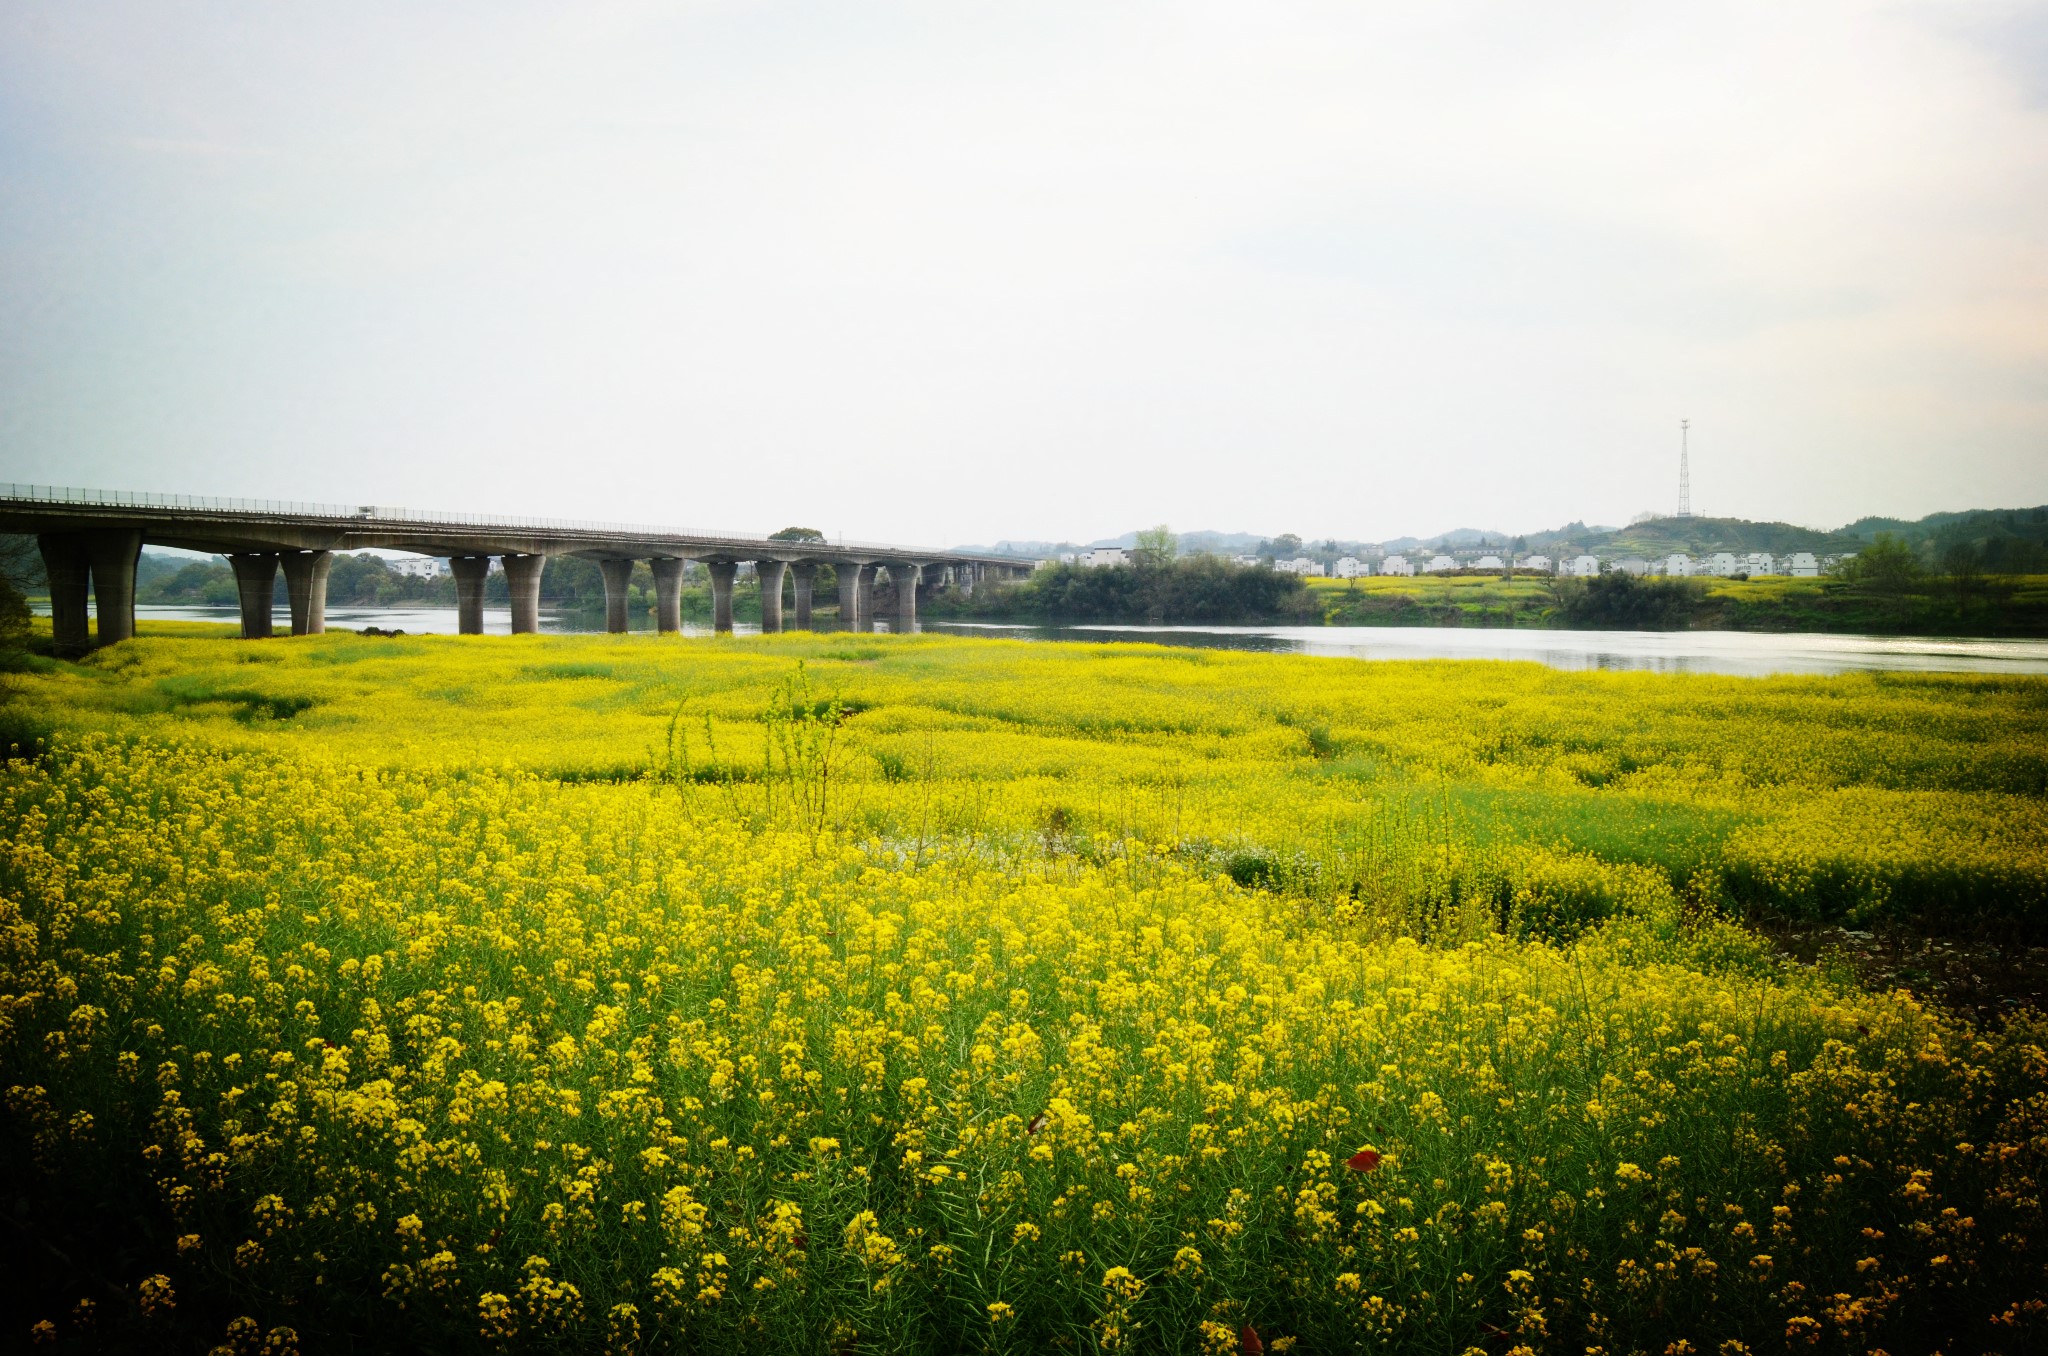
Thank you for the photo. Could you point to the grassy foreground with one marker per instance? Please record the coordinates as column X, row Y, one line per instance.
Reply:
column 966, row 995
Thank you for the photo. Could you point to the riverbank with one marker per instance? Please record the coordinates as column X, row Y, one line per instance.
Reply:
column 2002, row 608
column 2016, row 607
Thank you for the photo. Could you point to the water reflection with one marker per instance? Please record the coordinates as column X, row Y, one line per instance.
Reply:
column 1747, row 653
column 1731, row 652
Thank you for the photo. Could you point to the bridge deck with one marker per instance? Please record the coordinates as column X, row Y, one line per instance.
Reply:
column 231, row 525
column 90, row 541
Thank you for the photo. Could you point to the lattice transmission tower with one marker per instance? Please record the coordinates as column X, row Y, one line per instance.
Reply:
column 1684, row 471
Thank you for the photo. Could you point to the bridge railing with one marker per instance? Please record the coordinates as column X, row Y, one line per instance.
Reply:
column 378, row 513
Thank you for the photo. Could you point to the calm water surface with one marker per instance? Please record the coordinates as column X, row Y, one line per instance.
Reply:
column 1735, row 652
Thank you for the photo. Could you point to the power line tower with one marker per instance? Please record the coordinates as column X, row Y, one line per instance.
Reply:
column 1684, row 471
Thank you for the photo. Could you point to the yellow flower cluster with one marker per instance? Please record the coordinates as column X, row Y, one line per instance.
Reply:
column 1848, row 796
column 530, row 1056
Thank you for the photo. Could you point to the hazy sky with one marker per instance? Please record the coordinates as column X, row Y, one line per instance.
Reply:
column 958, row 271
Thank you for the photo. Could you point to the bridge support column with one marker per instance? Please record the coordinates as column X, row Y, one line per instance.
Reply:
column 305, row 584
column 471, row 573
column 904, row 576
column 668, row 594
column 805, row 572
column 114, row 553
column 866, row 619
column 522, row 573
column 256, row 582
column 618, row 575
column 964, row 577
column 69, row 566
column 722, row 572
column 771, row 573
column 849, row 593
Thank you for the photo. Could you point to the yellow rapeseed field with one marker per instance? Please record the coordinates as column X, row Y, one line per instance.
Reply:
column 855, row 993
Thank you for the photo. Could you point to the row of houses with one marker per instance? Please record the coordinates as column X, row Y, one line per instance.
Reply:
column 1725, row 564
column 1722, row 564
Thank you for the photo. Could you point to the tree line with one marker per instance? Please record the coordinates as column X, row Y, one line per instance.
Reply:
column 1157, row 586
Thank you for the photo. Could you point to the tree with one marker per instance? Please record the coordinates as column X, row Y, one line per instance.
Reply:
column 1157, row 546
column 21, row 562
column 1619, row 601
column 14, row 624
column 1887, row 567
column 1196, row 588
column 1286, row 546
column 1964, row 566
column 797, row 534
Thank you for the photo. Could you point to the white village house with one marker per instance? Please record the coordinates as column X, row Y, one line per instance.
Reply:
column 1678, row 566
column 1351, row 567
column 1438, row 564
column 1585, row 567
column 1634, row 565
column 1397, row 565
column 1488, row 563
column 1106, row 555
column 1802, row 565
column 1722, row 564
column 1540, row 564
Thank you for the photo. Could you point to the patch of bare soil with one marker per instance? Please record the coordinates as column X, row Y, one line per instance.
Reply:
column 1981, row 979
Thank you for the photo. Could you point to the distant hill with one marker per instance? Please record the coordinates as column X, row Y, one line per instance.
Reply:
column 1007, row 547
column 1695, row 536
column 1996, row 534
column 2004, row 539
column 1220, row 543
column 2009, row 541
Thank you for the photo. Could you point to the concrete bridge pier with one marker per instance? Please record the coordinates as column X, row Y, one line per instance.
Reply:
column 722, row 572
column 113, row 553
column 904, row 575
column 618, row 574
column 849, row 593
column 805, row 572
column 668, row 593
column 864, row 618
column 256, row 583
column 69, row 567
column 305, row 585
column 522, row 574
column 771, row 573
column 471, row 573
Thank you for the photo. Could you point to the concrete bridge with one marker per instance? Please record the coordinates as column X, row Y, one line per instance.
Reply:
column 92, row 539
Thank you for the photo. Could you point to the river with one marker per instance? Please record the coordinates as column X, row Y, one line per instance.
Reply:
column 1731, row 652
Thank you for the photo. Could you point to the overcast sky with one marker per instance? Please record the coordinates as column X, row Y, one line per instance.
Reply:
column 955, row 271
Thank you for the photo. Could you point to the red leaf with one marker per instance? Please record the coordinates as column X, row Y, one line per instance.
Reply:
column 1038, row 1123
column 1248, row 1342
column 1365, row 1160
